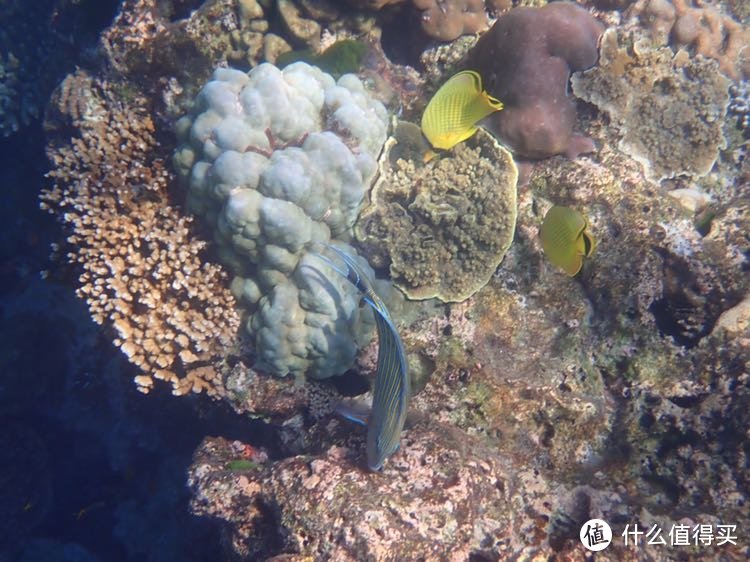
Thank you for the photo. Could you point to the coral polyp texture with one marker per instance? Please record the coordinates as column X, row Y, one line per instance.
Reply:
column 443, row 227
column 278, row 162
column 701, row 27
column 449, row 19
column 525, row 61
column 142, row 272
column 669, row 107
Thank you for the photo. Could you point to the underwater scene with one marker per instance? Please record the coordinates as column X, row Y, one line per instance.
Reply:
column 375, row 280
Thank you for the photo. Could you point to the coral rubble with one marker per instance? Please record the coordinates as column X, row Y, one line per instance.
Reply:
column 668, row 107
column 525, row 61
column 443, row 228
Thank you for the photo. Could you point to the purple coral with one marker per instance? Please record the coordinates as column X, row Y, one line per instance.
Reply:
column 525, row 60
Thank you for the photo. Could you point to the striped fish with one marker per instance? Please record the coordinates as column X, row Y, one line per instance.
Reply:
column 392, row 387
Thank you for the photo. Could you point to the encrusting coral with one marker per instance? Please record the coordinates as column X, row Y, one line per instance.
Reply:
column 278, row 161
column 525, row 61
column 668, row 107
column 701, row 27
column 443, row 227
column 449, row 19
column 142, row 273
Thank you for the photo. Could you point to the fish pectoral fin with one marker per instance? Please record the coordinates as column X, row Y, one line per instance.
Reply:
column 589, row 244
column 354, row 410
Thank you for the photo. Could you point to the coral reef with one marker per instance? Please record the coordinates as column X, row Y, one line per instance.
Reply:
column 449, row 19
column 277, row 162
column 142, row 272
column 739, row 105
column 525, row 61
column 149, row 47
column 31, row 56
column 536, row 385
column 701, row 27
column 444, row 227
column 144, row 44
column 668, row 107
column 540, row 402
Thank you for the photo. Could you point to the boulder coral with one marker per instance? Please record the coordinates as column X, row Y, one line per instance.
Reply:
column 525, row 61
column 278, row 162
column 446, row 20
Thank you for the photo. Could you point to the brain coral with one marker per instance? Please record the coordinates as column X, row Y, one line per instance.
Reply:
column 669, row 107
column 446, row 226
column 277, row 161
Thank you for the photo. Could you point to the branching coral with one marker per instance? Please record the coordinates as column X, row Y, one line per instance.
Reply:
column 142, row 273
column 669, row 108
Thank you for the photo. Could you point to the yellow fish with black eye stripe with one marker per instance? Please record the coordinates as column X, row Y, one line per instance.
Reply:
column 453, row 112
column 565, row 240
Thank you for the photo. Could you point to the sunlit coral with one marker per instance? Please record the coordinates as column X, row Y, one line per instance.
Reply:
column 699, row 26
column 669, row 107
column 141, row 269
column 443, row 228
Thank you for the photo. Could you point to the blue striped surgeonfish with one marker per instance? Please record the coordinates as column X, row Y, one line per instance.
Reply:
column 392, row 387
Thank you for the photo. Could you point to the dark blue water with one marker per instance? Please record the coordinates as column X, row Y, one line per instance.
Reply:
column 90, row 469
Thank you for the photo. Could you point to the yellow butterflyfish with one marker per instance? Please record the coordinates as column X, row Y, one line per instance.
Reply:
column 453, row 112
column 565, row 240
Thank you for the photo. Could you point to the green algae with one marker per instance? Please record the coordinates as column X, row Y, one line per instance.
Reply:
column 241, row 465
column 343, row 57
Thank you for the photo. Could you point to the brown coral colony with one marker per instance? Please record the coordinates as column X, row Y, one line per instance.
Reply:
column 141, row 271
column 525, row 60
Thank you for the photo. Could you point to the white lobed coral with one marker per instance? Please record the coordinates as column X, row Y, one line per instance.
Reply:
column 277, row 161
